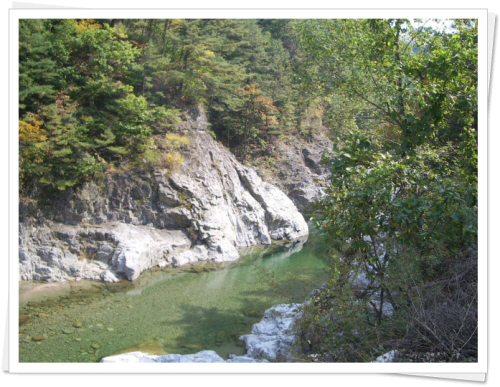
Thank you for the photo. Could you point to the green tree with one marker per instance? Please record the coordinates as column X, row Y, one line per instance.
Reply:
column 416, row 79
column 37, row 70
column 402, row 203
column 82, row 113
column 396, row 222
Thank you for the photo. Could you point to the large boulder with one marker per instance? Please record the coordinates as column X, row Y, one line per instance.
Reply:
column 273, row 337
column 282, row 218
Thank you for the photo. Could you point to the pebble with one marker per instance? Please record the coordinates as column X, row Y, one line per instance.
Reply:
column 67, row 331
column 78, row 339
column 78, row 324
column 110, row 329
column 130, row 306
column 96, row 346
column 90, row 351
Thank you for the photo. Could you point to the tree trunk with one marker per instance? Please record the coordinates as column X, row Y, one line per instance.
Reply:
column 405, row 140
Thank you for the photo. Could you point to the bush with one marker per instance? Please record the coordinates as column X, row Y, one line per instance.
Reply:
column 171, row 161
column 443, row 314
column 174, row 141
column 398, row 221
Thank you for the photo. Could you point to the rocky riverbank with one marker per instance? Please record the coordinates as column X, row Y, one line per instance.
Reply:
column 128, row 222
column 271, row 339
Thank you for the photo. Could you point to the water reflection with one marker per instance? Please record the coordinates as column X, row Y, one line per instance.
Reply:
column 177, row 310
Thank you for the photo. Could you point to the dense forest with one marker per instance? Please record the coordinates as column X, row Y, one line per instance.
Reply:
column 399, row 99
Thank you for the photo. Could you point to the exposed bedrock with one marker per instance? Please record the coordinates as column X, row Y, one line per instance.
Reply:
column 298, row 170
column 128, row 222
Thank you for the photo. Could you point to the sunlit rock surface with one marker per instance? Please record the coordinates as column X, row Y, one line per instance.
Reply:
column 200, row 357
column 273, row 337
column 129, row 222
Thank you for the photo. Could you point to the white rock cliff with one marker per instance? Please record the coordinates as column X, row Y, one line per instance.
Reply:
column 130, row 222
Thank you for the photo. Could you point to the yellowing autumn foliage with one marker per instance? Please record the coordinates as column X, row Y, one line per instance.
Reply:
column 171, row 161
column 174, row 141
column 87, row 24
column 31, row 131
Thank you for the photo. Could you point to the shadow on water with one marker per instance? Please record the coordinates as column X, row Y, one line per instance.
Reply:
column 175, row 310
column 209, row 328
column 276, row 276
column 219, row 329
column 236, row 297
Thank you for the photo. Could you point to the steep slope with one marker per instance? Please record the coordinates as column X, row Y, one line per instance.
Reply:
column 295, row 166
column 130, row 222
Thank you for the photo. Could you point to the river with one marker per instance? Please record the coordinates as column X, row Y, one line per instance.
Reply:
column 171, row 310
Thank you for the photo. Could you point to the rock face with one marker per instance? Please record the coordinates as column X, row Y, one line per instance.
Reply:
column 132, row 221
column 299, row 169
column 273, row 337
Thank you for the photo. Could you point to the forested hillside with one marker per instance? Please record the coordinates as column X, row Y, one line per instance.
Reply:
column 398, row 98
column 93, row 92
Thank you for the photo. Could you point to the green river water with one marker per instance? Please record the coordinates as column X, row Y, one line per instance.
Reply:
column 176, row 310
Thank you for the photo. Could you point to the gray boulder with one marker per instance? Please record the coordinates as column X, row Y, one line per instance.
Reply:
column 273, row 336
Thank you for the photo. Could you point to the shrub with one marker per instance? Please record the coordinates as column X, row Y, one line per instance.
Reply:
column 398, row 221
column 171, row 161
column 174, row 141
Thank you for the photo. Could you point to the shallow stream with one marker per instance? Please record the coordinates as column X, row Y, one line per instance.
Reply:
column 172, row 310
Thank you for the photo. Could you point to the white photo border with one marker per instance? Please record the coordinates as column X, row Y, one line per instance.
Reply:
column 187, row 368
